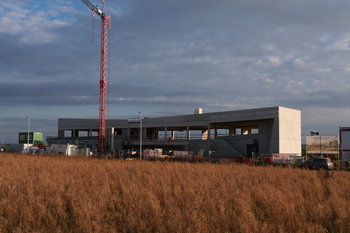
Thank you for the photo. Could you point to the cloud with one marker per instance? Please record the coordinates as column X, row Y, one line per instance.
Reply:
column 338, row 42
column 32, row 22
column 298, row 62
column 323, row 70
column 170, row 57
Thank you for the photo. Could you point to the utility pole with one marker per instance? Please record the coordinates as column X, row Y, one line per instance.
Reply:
column 140, row 134
column 28, row 134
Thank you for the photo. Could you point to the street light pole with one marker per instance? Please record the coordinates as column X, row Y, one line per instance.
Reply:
column 140, row 134
column 28, row 134
column 321, row 148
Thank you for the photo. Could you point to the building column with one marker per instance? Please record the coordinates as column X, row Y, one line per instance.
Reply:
column 165, row 133
column 232, row 131
column 208, row 131
column 188, row 132
column 144, row 133
column 61, row 133
column 128, row 132
column 111, row 148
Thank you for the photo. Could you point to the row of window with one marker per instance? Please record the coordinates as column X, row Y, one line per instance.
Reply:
column 23, row 137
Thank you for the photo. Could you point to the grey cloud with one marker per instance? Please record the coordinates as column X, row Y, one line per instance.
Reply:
column 327, row 98
column 10, row 127
column 175, row 56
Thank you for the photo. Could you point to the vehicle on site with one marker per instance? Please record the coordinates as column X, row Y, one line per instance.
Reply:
column 318, row 163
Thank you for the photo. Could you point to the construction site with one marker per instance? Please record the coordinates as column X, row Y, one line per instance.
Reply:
column 229, row 134
column 241, row 133
column 236, row 134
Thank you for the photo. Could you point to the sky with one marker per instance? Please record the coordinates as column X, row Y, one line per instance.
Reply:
column 167, row 58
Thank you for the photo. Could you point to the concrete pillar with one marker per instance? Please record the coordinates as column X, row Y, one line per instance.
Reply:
column 265, row 135
column 188, row 132
column 144, row 132
column 128, row 132
column 208, row 131
column 165, row 133
column 61, row 133
column 215, row 132
column 232, row 131
column 152, row 134
column 111, row 147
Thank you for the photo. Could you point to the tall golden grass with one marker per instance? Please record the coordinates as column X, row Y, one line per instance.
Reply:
column 66, row 194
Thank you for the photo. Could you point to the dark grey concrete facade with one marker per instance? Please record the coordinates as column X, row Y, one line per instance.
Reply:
column 262, row 131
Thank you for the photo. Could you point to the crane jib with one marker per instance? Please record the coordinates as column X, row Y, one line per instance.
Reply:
column 93, row 8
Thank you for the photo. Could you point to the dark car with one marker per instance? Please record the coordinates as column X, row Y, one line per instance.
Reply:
column 318, row 163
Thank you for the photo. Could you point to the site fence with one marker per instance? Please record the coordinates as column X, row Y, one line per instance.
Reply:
column 287, row 159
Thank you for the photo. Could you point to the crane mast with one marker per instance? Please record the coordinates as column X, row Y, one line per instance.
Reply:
column 105, row 24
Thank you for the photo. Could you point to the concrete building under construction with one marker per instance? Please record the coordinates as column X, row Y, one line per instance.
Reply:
column 240, row 133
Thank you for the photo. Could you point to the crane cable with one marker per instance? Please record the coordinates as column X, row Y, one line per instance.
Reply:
column 93, row 26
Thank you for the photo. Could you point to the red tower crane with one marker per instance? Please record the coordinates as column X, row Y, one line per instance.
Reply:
column 105, row 24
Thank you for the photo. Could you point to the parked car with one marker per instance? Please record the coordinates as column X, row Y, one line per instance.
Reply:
column 318, row 163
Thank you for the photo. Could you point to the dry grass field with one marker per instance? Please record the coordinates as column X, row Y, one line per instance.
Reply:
column 66, row 194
